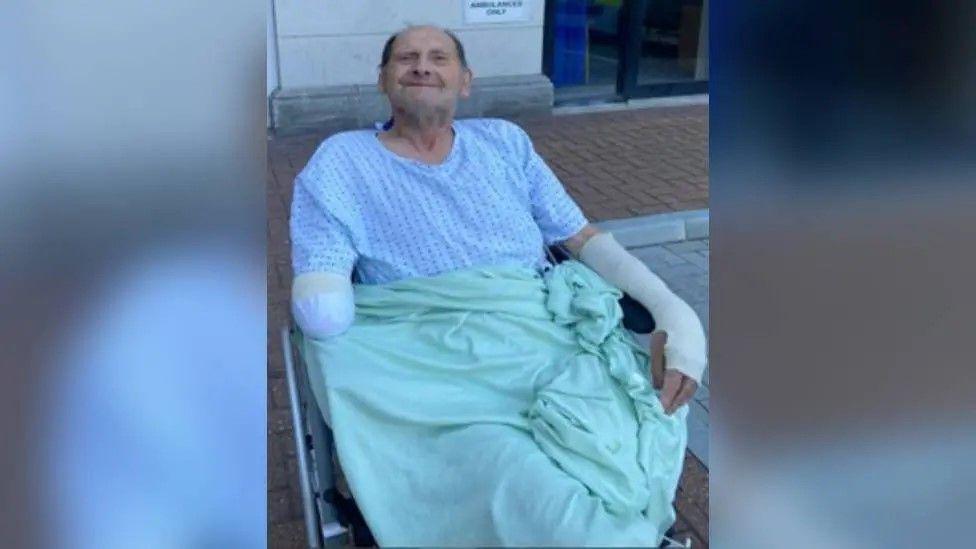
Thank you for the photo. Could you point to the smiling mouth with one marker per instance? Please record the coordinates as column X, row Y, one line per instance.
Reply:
column 420, row 86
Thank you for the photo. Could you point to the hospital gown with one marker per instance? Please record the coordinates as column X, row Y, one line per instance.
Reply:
column 493, row 201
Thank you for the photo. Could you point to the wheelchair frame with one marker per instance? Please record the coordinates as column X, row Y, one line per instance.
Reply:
column 313, row 448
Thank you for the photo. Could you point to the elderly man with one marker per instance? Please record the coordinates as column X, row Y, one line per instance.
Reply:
column 427, row 196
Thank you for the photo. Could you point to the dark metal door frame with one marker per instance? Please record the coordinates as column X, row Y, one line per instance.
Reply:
column 548, row 36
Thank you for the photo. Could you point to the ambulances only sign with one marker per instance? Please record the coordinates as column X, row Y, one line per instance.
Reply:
column 497, row 11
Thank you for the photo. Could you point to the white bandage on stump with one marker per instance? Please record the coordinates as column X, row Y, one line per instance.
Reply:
column 322, row 304
column 685, row 350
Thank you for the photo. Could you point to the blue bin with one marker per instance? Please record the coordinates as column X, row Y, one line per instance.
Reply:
column 569, row 44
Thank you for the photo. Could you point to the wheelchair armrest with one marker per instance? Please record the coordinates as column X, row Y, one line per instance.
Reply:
column 636, row 318
column 559, row 253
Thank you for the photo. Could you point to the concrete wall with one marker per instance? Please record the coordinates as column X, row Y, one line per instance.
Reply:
column 272, row 57
column 272, row 50
column 323, row 43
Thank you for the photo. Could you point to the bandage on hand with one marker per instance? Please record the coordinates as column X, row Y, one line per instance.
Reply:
column 686, row 348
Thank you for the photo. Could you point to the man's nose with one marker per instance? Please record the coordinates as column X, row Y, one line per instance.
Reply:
column 421, row 68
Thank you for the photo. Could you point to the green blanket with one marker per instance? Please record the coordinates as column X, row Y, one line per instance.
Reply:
column 499, row 407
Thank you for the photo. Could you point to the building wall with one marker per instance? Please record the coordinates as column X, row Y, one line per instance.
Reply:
column 272, row 58
column 325, row 43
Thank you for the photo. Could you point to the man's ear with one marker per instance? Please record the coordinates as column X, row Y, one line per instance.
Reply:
column 381, row 83
column 466, row 83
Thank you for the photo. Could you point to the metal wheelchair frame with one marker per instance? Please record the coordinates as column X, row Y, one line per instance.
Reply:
column 313, row 448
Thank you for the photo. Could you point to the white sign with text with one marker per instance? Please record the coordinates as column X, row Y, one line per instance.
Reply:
column 496, row 11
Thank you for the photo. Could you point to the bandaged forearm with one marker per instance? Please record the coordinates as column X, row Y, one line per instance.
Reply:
column 322, row 304
column 685, row 350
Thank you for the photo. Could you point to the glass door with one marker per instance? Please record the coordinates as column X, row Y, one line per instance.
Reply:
column 582, row 48
column 622, row 49
column 673, row 46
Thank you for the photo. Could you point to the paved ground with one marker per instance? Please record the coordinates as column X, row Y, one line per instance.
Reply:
column 625, row 163
column 615, row 165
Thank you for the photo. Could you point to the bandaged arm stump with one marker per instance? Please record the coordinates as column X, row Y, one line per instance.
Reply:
column 322, row 304
column 685, row 350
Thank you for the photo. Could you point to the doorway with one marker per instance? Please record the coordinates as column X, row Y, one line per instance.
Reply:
column 614, row 50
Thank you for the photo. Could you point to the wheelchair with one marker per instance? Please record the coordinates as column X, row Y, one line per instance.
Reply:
column 330, row 517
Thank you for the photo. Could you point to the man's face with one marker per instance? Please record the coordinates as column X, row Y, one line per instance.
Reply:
column 424, row 74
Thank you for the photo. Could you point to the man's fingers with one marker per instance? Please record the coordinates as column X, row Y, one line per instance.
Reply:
column 658, row 339
column 672, row 384
column 688, row 388
column 676, row 389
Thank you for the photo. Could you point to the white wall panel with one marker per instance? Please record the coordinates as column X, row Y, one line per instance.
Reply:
column 344, row 17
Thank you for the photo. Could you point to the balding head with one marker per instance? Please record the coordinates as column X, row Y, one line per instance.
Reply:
column 458, row 46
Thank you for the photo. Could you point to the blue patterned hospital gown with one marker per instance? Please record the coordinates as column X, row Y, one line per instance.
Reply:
column 493, row 201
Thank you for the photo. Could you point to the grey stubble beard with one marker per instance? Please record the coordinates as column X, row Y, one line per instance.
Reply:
column 421, row 115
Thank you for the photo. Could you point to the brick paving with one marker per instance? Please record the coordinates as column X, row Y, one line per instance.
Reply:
column 615, row 165
column 625, row 163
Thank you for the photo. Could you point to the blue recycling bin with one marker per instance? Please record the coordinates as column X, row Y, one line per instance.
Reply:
column 569, row 44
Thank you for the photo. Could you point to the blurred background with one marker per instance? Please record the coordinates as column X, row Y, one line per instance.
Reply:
column 132, row 295
column 842, row 175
